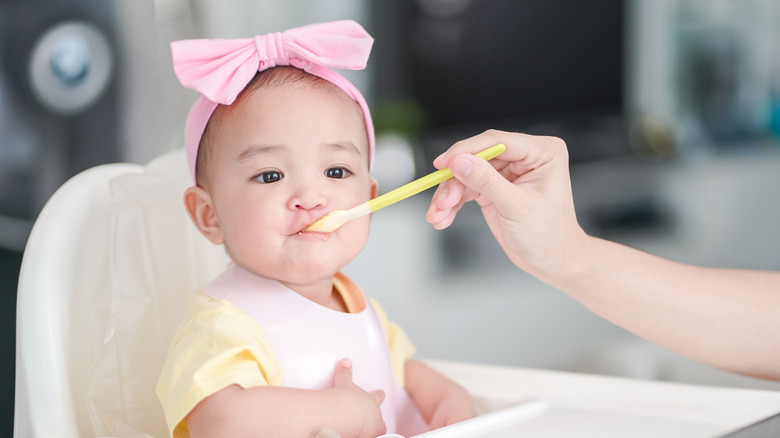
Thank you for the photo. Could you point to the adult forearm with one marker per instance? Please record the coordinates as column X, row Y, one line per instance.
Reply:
column 726, row 318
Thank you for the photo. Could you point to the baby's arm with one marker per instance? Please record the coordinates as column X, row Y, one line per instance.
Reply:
column 440, row 400
column 290, row 412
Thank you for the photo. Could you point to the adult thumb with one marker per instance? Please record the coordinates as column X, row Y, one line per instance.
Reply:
column 478, row 175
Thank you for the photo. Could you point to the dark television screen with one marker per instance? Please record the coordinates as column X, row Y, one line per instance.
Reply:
column 553, row 67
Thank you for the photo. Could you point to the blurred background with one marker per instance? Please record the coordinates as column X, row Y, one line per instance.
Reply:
column 670, row 109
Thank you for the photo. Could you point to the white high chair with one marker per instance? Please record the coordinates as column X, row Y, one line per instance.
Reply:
column 108, row 264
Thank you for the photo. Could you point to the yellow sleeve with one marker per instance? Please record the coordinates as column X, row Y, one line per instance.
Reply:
column 401, row 348
column 217, row 345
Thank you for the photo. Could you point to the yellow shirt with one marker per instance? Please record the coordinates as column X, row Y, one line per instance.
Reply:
column 219, row 345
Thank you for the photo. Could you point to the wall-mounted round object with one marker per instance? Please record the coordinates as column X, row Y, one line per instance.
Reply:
column 70, row 66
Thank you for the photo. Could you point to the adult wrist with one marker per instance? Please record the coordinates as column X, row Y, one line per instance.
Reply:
column 571, row 264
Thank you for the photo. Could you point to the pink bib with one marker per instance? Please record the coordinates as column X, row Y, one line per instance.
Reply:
column 310, row 339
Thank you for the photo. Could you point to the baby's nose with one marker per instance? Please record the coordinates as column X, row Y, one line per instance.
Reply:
column 307, row 199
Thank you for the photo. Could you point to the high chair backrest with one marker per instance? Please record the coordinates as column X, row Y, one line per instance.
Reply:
column 106, row 274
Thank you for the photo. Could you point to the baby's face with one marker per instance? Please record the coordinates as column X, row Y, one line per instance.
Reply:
column 283, row 158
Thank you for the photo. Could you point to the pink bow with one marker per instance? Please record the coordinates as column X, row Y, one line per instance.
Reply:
column 220, row 69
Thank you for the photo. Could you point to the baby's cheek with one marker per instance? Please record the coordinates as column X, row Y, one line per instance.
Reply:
column 358, row 231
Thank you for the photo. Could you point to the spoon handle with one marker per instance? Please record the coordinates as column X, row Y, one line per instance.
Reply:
column 427, row 181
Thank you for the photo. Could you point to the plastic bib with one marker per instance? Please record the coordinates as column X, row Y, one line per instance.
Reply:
column 310, row 339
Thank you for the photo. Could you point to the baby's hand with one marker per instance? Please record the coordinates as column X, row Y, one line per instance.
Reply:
column 453, row 409
column 364, row 405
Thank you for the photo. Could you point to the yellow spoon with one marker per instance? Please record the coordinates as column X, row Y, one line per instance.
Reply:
column 336, row 218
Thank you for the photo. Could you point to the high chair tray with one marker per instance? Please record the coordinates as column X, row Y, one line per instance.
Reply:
column 493, row 418
column 541, row 403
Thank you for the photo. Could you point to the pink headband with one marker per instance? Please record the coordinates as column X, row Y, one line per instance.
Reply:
column 220, row 69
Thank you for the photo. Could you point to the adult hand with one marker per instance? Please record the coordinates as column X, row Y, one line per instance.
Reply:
column 525, row 196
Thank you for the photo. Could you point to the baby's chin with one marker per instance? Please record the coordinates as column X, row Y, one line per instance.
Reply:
column 304, row 273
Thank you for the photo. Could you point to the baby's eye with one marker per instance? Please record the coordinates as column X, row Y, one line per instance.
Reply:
column 269, row 177
column 337, row 172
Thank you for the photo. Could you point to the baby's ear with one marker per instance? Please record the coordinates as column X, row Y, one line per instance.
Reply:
column 200, row 207
column 374, row 188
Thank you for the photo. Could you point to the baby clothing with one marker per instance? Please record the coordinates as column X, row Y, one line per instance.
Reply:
column 250, row 331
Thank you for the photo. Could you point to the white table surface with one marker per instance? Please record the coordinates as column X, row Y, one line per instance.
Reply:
column 586, row 405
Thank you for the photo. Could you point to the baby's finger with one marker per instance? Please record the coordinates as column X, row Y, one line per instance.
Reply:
column 378, row 395
column 343, row 373
column 326, row 433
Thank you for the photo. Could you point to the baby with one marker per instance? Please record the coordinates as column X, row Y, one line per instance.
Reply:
column 282, row 343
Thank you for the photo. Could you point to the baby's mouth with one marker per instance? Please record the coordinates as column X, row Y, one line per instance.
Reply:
column 307, row 235
column 306, row 229
column 305, row 232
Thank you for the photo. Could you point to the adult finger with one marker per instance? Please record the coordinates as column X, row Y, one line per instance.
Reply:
column 478, row 175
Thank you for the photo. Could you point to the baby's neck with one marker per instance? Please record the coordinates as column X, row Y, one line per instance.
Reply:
column 323, row 293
